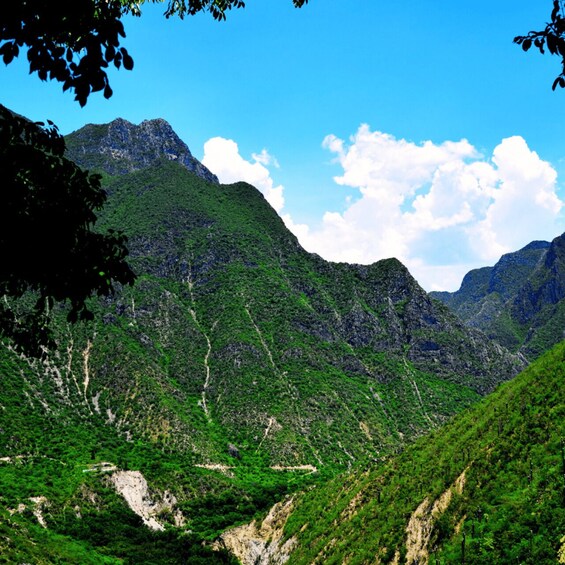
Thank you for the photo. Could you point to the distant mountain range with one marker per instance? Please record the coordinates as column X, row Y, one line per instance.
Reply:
column 518, row 302
column 237, row 369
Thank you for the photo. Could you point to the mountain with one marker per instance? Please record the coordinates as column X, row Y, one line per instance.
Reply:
column 238, row 368
column 489, row 487
column 121, row 147
column 519, row 301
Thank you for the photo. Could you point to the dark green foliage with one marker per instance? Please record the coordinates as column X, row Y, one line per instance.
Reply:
column 74, row 43
column 71, row 44
column 47, row 240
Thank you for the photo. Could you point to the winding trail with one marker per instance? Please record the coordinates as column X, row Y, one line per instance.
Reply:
column 86, row 366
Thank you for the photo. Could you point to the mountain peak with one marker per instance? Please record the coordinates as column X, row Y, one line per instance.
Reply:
column 121, row 147
column 518, row 302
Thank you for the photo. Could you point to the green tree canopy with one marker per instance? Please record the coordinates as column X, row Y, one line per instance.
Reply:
column 75, row 42
column 47, row 240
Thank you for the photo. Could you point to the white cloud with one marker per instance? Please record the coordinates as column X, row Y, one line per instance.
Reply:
column 222, row 157
column 265, row 158
column 442, row 209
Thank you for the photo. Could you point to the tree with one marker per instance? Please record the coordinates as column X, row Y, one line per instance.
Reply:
column 74, row 42
column 552, row 37
column 50, row 249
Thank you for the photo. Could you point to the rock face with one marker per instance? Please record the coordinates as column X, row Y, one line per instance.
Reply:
column 133, row 487
column 261, row 544
column 519, row 301
column 121, row 147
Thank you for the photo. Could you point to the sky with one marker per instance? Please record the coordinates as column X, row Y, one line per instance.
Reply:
column 374, row 128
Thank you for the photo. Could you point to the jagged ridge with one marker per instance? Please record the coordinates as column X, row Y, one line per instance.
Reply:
column 121, row 147
column 519, row 301
column 235, row 366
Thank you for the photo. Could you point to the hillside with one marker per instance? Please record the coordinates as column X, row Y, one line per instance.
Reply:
column 238, row 368
column 489, row 487
column 519, row 301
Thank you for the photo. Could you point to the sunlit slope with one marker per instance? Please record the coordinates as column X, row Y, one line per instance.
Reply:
column 303, row 360
column 489, row 487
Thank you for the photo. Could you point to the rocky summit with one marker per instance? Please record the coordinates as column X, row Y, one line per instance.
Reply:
column 121, row 147
column 520, row 301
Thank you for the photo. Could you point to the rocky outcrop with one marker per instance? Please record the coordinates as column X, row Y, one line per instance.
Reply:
column 121, row 147
column 420, row 526
column 261, row 544
column 133, row 487
column 518, row 301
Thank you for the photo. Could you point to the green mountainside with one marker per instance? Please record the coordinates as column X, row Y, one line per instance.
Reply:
column 489, row 487
column 238, row 368
column 518, row 302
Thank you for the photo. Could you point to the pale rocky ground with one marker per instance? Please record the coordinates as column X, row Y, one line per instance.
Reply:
column 260, row 544
column 133, row 487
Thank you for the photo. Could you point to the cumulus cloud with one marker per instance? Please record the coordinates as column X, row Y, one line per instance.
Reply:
column 442, row 209
column 222, row 157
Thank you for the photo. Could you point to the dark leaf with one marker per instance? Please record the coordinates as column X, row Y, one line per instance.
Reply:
column 555, row 10
column 551, row 40
column 110, row 53
column 128, row 61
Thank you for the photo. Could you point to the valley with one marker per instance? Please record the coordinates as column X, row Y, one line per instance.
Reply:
column 243, row 382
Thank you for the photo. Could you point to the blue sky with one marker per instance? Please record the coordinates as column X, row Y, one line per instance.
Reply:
column 374, row 128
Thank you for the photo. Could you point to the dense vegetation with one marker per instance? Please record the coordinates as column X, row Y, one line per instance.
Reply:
column 237, row 369
column 503, row 461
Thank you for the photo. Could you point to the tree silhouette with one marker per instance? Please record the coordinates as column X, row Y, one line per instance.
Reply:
column 552, row 38
column 50, row 250
column 75, row 42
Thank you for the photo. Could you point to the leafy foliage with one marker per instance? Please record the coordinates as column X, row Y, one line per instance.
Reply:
column 75, row 43
column 72, row 44
column 47, row 239
column 552, row 37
